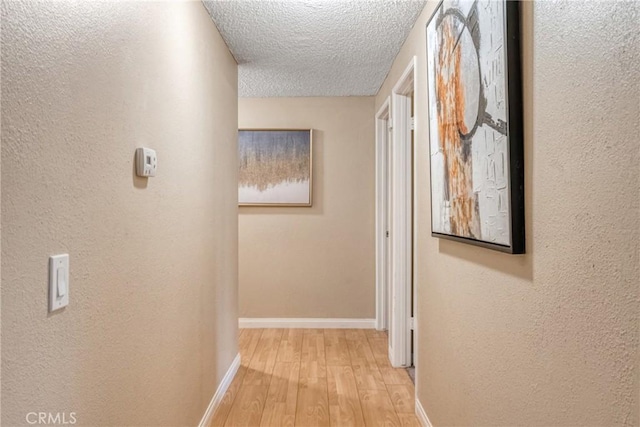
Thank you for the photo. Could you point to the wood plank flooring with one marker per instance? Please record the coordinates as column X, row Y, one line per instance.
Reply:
column 316, row 377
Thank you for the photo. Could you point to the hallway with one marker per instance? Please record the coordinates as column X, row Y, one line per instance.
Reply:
column 316, row 377
column 192, row 191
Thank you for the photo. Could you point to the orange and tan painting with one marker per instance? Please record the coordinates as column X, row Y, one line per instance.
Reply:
column 468, row 121
column 274, row 167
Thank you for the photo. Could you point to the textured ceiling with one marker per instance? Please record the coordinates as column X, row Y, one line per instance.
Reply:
column 313, row 48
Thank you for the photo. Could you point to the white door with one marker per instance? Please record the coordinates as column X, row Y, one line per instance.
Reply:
column 388, row 198
column 383, row 222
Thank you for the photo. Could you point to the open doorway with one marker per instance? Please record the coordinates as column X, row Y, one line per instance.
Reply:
column 394, row 218
column 383, row 215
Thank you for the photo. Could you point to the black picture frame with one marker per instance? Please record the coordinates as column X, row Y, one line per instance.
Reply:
column 515, row 135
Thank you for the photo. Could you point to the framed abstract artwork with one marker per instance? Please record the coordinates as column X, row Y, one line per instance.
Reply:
column 275, row 167
column 475, row 124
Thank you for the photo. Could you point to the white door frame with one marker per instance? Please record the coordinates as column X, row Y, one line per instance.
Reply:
column 402, row 218
column 383, row 122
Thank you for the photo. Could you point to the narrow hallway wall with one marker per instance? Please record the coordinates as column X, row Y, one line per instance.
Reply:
column 151, row 325
column 314, row 262
column 550, row 337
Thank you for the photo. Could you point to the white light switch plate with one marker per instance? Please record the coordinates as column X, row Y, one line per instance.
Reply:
column 58, row 282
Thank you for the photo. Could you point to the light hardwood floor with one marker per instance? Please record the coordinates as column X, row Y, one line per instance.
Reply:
column 316, row 377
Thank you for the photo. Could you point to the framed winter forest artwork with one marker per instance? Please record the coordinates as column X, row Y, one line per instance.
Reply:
column 475, row 124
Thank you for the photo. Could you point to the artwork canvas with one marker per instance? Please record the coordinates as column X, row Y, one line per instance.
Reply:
column 274, row 167
column 475, row 124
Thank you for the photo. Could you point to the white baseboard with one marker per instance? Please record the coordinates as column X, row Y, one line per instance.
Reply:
column 319, row 323
column 219, row 394
column 422, row 415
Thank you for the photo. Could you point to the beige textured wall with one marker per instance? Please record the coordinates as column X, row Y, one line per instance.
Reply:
column 317, row 261
column 551, row 337
column 151, row 327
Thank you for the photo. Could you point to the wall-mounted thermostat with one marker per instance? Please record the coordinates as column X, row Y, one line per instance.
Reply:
column 146, row 162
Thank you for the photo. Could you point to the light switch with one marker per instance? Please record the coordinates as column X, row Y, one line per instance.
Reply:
column 62, row 283
column 58, row 281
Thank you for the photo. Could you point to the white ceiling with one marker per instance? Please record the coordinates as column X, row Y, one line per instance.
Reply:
column 313, row 47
